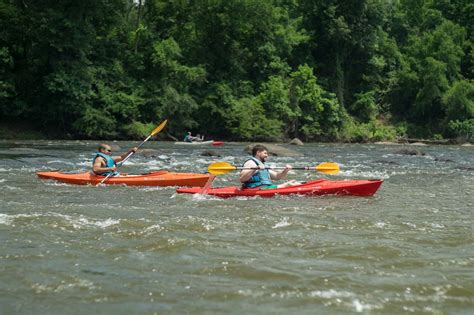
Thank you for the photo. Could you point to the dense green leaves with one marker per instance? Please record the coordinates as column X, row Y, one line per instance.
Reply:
column 239, row 69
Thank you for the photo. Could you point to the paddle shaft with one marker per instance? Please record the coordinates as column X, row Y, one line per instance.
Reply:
column 275, row 168
column 131, row 153
column 220, row 168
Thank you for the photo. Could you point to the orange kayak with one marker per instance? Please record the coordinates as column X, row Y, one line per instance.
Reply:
column 159, row 178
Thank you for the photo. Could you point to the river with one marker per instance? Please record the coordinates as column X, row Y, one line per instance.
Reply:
column 141, row 250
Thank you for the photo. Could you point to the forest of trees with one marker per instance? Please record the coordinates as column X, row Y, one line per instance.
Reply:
column 332, row 70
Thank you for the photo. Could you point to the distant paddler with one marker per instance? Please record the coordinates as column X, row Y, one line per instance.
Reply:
column 189, row 137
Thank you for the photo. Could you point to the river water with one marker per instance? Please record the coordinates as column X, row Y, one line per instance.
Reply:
column 141, row 250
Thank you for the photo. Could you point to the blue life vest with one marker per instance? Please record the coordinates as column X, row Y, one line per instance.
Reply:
column 109, row 161
column 187, row 138
column 260, row 178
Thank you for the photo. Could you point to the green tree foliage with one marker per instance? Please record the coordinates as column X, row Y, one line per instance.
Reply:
column 239, row 69
column 459, row 101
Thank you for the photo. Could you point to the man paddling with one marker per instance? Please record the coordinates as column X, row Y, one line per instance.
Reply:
column 105, row 164
column 190, row 138
column 262, row 177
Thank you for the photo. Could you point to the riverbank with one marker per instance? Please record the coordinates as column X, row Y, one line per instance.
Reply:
column 17, row 131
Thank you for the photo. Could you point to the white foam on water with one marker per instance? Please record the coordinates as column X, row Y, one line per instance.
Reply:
column 152, row 188
column 351, row 301
column 84, row 222
column 7, row 187
column 366, row 174
column 437, row 226
column 63, row 286
column 153, row 228
column 87, row 163
column 360, row 306
column 2, row 180
column 55, row 183
column 249, row 293
column 61, row 161
column 380, row 225
column 5, row 219
column 284, row 222
column 155, row 164
column 76, row 222
column 203, row 197
column 330, row 294
column 207, row 226
column 412, row 225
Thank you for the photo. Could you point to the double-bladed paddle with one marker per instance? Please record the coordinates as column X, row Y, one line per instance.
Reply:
column 153, row 133
column 220, row 168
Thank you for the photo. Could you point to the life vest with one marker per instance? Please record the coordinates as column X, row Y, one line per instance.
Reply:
column 260, row 178
column 109, row 161
column 187, row 138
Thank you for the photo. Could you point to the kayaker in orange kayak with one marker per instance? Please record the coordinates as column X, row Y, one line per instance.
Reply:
column 262, row 177
column 104, row 163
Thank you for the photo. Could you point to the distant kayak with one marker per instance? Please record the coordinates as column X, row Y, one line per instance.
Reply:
column 159, row 178
column 194, row 142
column 207, row 142
column 311, row 188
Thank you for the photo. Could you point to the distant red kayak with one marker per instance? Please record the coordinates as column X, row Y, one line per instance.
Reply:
column 160, row 178
column 217, row 143
column 311, row 188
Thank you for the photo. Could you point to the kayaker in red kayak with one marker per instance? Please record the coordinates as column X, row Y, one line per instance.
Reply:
column 262, row 177
column 104, row 163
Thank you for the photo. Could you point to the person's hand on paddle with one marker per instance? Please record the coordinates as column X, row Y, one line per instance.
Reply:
column 260, row 167
column 282, row 173
column 127, row 154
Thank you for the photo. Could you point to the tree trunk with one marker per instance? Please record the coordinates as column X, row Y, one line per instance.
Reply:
column 139, row 12
column 339, row 78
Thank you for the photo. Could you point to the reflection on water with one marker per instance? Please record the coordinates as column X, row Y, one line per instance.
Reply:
column 146, row 250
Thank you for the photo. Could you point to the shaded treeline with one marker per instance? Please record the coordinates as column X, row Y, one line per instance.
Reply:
column 248, row 69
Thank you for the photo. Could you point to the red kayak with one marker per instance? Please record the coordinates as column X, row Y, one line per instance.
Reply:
column 311, row 188
column 159, row 178
column 217, row 143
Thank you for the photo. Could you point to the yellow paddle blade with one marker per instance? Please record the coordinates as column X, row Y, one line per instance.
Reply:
column 328, row 168
column 220, row 168
column 159, row 128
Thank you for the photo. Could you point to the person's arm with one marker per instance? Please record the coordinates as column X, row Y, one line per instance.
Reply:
column 123, row 156
column 99, row 166
column 282, row 174
column 245, row 175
